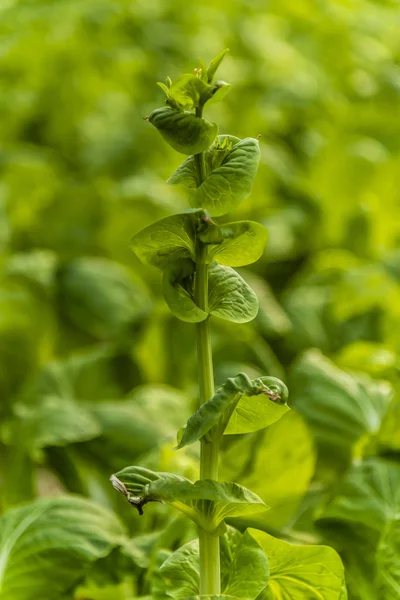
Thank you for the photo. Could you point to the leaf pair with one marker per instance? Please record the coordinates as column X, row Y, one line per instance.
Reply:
column 170, row 239
column 170, row 244
column 257, row 565
column 240, row 405
column 231, row 166
column 206, row 502
column 244, row 568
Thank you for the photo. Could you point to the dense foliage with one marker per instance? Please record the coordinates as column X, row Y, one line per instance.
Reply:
column 95, row 372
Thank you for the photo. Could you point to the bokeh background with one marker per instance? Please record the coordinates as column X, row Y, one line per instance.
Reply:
column 95, row 373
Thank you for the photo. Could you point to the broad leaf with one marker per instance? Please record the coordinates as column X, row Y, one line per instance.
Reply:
column 229, row 296
column 243, row 243
column 181, row 571
column 278, row 464
column 300, row 572
column 47, row 546
column 340, row 407
column 369, row 495
column 185, row 132
column 168, row 240
column 231, row 408
column 244, row 568
column 141, row 486
column 101, row 297
column 177, row 286
column 388, row 562
column 56, row 422
column 231, row 166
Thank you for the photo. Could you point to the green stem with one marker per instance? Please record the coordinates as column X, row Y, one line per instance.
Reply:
column 199, row 158
column 209, row 544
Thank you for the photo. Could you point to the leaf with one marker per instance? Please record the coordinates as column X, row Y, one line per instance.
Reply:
column 369, row 495
column 168, row 240
column 185, row 132
column 229, row 296
column 278, row 464
column 248, row 568
column 299, row 572
column 218, row 92
column 272, row 321
column 244, row 568
column 231, row 166
column 177, row 280
column 227, row 185
column 215, row 63
column 132, row 426
column 101, row 297
column 339, row 407
column 56, row 422
column 237, row 392
column 188, row 92
column 141, row 486
column 243, row 243
column 47, row 546
column 388, row 563
column 181, row 571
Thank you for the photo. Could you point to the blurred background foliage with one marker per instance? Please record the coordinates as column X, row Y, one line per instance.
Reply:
column 95, row 373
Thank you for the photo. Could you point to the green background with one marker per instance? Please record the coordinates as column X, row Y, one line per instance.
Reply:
column 95, row 373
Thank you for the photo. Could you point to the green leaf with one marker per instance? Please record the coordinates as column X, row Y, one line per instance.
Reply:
column 231, row 166
column 168, row 240
column 229, row 296
column 233, row 402
column 141, row 486
column 227, row 185
column 248, row 570
column 369, row 495
column 339, row 407
column 188, row 92
column 185, row 132
column 218, row 92
column 101, row 296
column 177, row 283
column 388, row 563
column 47, row 546
column 55, row 422
column 299, row 572
column 215, row 63
column 244, row 568
column 278, row 464
column 181, row 571
column 243, row 243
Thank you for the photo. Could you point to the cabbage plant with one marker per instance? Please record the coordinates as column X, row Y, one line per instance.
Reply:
column 197, row 255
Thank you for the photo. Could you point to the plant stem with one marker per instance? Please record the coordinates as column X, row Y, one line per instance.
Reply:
column 209, row 544
column 199, row 158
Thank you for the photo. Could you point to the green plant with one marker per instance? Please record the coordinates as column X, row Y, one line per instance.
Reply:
column 196, row 255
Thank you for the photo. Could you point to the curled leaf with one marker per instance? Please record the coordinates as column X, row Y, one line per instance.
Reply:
column 185, row 132
column 206, row 502
column 234, row 397
column 178, row 291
